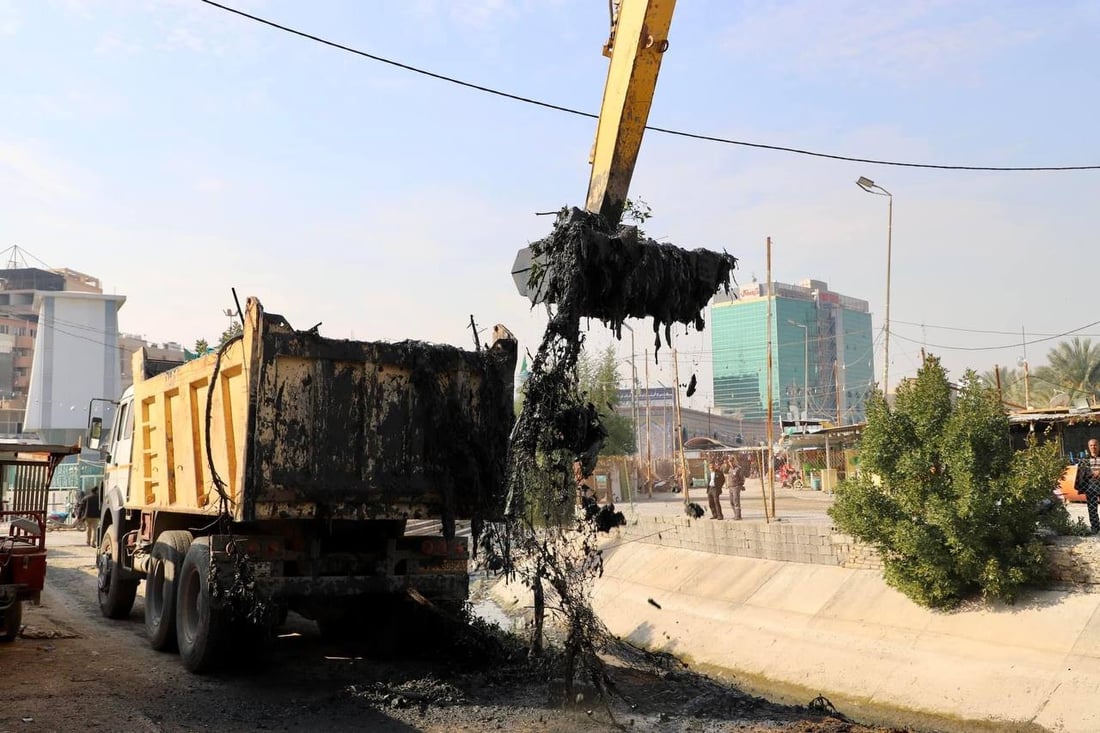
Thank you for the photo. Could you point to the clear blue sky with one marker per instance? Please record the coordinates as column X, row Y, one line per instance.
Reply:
column 177, row 151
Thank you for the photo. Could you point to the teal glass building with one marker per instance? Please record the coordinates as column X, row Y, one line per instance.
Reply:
column 822, row 351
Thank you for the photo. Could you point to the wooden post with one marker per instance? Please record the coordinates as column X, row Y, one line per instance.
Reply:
column 764, row 453
column 1027, row 387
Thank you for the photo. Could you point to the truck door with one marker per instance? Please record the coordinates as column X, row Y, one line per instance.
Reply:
column 116, row 480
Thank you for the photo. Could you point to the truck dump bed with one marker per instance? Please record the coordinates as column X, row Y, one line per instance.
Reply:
column 287, row 424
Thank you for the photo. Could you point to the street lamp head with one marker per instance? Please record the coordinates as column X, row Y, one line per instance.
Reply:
column 796, row 323
column 871, row 187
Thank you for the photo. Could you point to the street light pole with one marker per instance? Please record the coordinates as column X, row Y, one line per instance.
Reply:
column 805, row 368
column 871, row 187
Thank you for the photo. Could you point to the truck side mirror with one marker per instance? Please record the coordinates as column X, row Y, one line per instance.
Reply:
column 95, row 433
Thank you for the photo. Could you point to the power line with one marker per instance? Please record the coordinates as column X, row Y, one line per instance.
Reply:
column 998, row 348
column 975, row 330
column 665, row 130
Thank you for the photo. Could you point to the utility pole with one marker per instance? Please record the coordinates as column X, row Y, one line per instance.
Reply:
column 771, row 416
column 836, row 379
column 1027, row 373
column 633, row 406
column 680, row 426
column 648, row 432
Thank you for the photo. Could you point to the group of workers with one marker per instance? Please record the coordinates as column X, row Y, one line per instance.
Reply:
column 725, row 473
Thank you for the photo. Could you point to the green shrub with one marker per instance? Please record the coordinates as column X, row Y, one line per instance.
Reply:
column 951, row 508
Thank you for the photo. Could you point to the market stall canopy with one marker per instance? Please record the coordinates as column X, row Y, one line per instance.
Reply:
column 833, row 437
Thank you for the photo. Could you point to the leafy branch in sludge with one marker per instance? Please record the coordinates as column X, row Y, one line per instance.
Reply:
column 586, row 269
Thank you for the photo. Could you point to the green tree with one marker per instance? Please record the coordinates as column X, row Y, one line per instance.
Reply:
column 951, row 508
column 636, row 212
column 235, row 329
column 201, row 346
column 598, row 382
column 1073, row 367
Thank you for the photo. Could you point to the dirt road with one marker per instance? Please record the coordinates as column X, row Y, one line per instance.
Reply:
column 74, row 670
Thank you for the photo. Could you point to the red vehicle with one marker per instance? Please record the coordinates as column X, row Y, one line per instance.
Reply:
column 22, row 567
column 23, row 547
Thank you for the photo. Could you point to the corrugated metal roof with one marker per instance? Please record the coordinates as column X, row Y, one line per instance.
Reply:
column 1055, row 416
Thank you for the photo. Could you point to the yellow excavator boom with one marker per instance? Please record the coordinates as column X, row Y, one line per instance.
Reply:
column 639, row 38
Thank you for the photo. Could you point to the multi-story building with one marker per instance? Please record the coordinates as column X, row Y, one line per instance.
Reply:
column 59, row 348
column 76, row 359
column 822, row 353
column 19, row 287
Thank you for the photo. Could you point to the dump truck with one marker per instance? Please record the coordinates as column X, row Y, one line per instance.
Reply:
column 279, row 474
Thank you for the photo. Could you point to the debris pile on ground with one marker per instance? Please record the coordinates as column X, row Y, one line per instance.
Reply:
column 410, row 693
column 505, row 687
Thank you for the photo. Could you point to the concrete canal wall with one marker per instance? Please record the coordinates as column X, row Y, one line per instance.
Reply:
column 803, row 605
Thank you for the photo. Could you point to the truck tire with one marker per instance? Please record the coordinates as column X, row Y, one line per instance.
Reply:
column 200, row 623
column 11, row 620
column 165, row 562
column 116, row 593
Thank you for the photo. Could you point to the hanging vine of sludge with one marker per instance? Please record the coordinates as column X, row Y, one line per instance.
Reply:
column 587, row 269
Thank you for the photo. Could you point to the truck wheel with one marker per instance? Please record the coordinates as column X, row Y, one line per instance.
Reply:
column 200, row 624
column 116, row 594
column 160, row 588
column 10, row 621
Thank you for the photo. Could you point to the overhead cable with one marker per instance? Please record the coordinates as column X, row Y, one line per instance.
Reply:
column 665, row 130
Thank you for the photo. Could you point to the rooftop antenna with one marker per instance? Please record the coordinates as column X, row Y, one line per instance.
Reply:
column 17, row 255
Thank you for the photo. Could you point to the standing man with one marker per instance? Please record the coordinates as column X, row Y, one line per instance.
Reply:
column 737, row 485
column 1088, row 481
column 90, row 509
column 714, row 490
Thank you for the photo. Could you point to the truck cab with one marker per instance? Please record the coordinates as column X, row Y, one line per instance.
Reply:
column 116, row 453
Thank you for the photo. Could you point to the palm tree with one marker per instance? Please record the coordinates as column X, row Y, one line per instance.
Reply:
column 1073, row 367
column 1013, row 391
